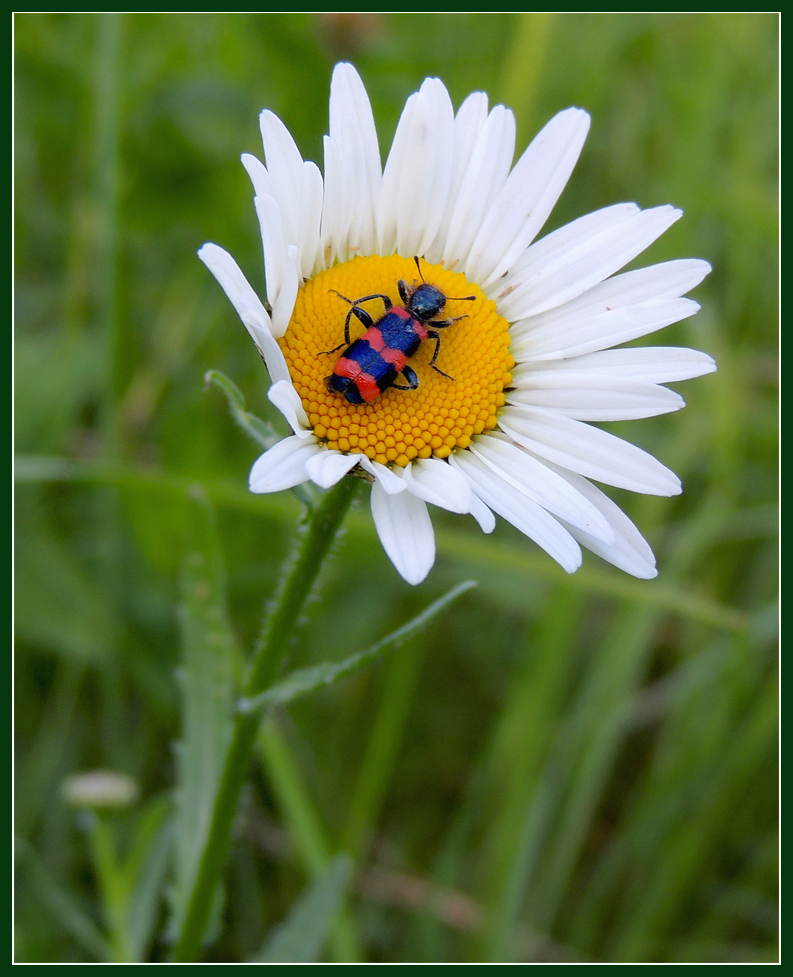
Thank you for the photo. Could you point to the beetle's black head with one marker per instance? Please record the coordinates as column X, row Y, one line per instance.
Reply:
column 426, row 301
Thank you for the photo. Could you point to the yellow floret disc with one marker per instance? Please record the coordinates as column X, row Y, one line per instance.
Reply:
column 441, row 414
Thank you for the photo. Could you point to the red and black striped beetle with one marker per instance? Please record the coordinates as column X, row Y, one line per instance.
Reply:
column 371, row 364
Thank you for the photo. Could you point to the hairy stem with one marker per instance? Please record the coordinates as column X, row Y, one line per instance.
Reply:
column 297, row 579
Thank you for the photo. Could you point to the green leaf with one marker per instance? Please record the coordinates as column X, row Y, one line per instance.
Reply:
column 56, row 375
column 58, row 605
column 207, row 680
column 263, row 434
column 146, row 868
column 302, row 936
column 297, row 804
column 37, row 769
column 63, row 905
column 304, row 680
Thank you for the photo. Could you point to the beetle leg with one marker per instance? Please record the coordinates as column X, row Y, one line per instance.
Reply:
column 359, row 313
column 362, row 314
column 410, row 376
column 365, row 298
column 327, row 352
column 365, row 318
column 431, row 334
column 443, row 323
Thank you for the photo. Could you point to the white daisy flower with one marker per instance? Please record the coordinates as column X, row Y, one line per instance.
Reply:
column 503, row 423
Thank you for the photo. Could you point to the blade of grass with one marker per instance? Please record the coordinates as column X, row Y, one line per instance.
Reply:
column 107, row 93
column 305, row 827
column 63, row 906
column 302, row 681
column 302, row 936
column 691, row 840
column 36, row 776
column 661, row 854
column 113, row 887
column 58, row 604
column 515, row 761
column 595, row 732
column 382, row 747
column 207, row 682
column 146, row 868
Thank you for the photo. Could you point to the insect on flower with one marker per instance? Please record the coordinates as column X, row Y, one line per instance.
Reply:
column 538, row 361
column 371, row 364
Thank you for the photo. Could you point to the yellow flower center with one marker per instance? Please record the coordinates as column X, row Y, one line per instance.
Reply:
column 443, row 412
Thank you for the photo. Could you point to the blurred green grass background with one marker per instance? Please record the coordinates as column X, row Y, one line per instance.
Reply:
column 561, row 769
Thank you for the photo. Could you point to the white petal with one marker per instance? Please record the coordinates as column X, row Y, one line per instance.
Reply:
column 361, row 229
column 405, row 530
column 531, row 519
column 231, row 279
column 248, row 306
column 284, row 396
column 545, row 253
column 563, row 334
column 349, row 218
column 650, row 364
column 416, row 177
column 285, row 303
column 263, row 185
column 285, row 166
column 391, row 483
column 615, row 311
column 328, row 467
column 308, row 239
column 629, row 551
column 484, row 178
column 591, row 397
column 483, row 515
column 354, row 137
column 588, row 451
column 348, row 99
column 276, row 258
column 437, row 482
column 527, row 197
column 286, row 260
column 335, row 204
column 570, row 261
column 468, row 122
column 537, row 482
column 436, row 169
column 274, row 359
column 390, row 189
column 283, row 466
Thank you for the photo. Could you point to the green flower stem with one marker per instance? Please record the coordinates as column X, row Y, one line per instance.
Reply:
column 112, row 883
column 297, row 580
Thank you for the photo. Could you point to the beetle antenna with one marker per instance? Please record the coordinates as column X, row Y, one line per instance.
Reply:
column 449, row 298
